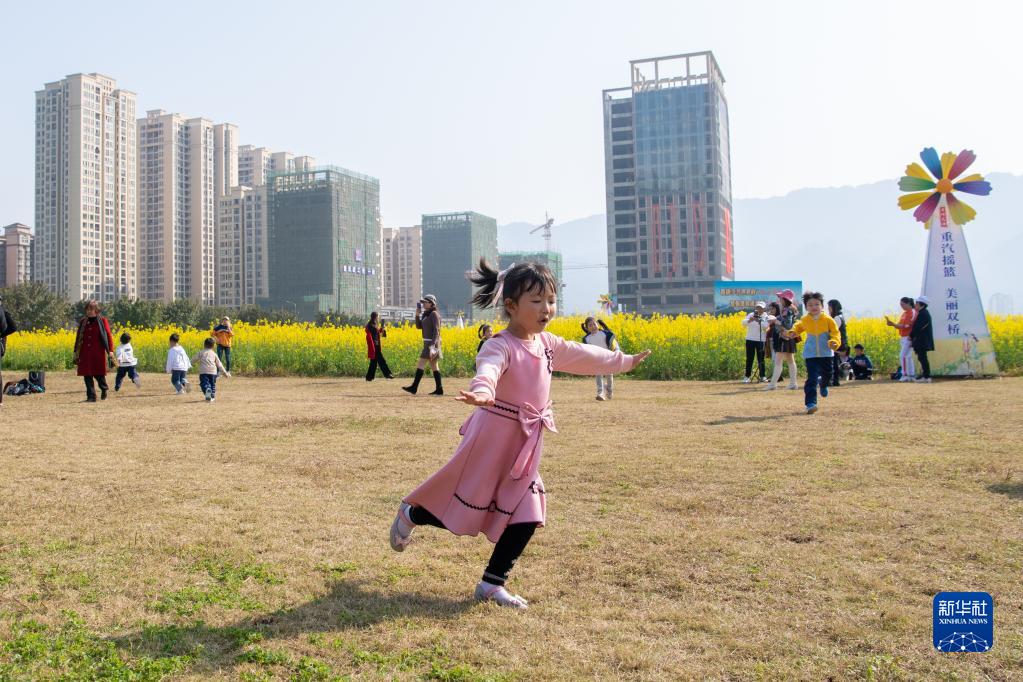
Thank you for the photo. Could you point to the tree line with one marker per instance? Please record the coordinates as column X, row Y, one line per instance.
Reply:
column 34, row 306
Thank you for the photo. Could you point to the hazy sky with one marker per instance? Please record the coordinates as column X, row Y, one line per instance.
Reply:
column 496, row 106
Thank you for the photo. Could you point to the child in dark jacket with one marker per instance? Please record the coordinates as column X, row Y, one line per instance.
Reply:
column 862, row 367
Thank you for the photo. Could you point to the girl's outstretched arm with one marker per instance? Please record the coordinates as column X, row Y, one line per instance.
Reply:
column 491, row 362
column 578, row 358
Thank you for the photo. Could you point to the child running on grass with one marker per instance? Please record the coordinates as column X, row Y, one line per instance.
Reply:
column 492, row 483
column 596, row 333
column 209, row 367
column 178, row 365
column 127, row 363
column 822, row 339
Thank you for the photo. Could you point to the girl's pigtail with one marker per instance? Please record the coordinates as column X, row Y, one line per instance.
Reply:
column 603, row 325
column 484, row 278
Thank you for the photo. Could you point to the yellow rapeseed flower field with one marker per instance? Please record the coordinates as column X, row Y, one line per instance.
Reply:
column 685, row 347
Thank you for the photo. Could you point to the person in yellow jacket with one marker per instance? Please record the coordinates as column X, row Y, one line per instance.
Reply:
column 223, row 334
column 822, row 339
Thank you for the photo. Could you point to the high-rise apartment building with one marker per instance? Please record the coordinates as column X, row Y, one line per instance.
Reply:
column 402, row 266
column 15, row 255
column 323, row 240
column 453, row 244
column 225, row 150
column 669, row 195
column 177, row 207
column 85, row 210
column 255, row 163
column 241, row 247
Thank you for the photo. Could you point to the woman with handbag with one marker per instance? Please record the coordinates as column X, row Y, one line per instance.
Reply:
column 94, row 347
column 428, row 319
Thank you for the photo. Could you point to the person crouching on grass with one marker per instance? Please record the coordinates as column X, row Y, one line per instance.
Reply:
column 178, row 365
column 492, row 483
column 822, row 339
column 596, row 333
column 209, row 367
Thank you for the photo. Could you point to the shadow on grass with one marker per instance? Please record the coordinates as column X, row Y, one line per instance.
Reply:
column 1013, row 490
column 744, row 420
column 348, row 605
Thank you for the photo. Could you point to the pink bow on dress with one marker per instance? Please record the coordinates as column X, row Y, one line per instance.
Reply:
column 533, row 423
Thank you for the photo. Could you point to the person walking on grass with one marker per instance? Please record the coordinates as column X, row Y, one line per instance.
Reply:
column 224, row 335
column 374, row 330
column 94, row 348
column 127, row 363
column 921, row 335
column 178, row 365
column 210, row 366
column 822, row 339
column 757, row 324
column 782, row 350
column 907, row 368
column 596, row 333
column 428, row 319
column 492, row 483
column 835, row 311
column 7, row 327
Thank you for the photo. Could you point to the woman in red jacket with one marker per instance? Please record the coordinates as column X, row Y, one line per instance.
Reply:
column 94, row 345
column 374, row 330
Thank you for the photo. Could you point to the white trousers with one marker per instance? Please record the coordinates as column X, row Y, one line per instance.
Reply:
column 605, row 383
column 906, row 357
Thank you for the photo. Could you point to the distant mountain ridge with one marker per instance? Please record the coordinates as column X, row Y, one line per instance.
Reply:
column 852, row 243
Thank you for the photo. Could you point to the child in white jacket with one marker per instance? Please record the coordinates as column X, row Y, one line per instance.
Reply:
column 178, row 365
column 126, row 363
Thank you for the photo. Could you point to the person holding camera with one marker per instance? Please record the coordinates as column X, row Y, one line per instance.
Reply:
column 757, row 323
column 428, row 319
column 374, row 330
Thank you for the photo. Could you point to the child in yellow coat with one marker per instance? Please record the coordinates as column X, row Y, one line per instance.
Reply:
column 822, row 339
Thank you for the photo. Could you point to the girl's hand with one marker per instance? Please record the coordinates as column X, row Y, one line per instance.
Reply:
column 477, row 399
column 638, row 358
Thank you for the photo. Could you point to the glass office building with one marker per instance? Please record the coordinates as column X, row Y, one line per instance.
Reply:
column 453, row 244
column 668, row 185
column 323, row 242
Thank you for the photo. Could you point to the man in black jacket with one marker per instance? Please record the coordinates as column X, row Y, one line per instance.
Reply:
column 921, row 335
column 7, row 327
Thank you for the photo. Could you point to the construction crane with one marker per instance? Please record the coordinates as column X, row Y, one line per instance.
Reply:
column 546, row 227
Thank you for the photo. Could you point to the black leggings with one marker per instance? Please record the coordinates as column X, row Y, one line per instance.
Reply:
column 757, row 348
column 925, row 364
column 507, row 551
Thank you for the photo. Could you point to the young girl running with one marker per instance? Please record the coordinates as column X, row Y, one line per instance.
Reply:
column 822, row 340
column 492, row 483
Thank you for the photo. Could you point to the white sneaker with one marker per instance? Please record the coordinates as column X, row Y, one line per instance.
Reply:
column 600, row 396
column 209, row 396
column 499, row 595
column 746, row 380
column 770, row 387
column 399, row 539
column 922, row 380
column 793, row 387
column 906, row 379
column 179, row 391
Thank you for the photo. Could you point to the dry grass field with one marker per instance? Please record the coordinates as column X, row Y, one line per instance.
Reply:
column 696, row 531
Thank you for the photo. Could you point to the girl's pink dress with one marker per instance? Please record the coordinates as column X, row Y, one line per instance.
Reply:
column 493, row 479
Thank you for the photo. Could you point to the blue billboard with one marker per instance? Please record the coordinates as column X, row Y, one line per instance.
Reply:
column 735, row 297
